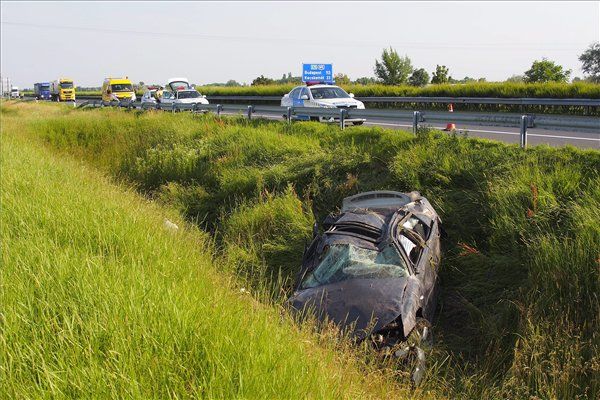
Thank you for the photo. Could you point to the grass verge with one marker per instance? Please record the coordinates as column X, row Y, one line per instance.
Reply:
column 519, row 310
column 100, row 300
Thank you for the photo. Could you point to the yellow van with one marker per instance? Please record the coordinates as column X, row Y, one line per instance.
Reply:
column 117, row 89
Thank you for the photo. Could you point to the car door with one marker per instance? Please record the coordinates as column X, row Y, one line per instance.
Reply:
column 167, row 97
column 412, row 238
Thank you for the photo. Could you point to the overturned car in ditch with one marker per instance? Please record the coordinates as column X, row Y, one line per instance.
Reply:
column 373, row 272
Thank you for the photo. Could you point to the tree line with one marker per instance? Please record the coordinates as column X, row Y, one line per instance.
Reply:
column 393, row 69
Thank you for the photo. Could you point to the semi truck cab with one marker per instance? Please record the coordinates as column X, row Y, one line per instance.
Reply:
column 63, row 90
column 41, row 90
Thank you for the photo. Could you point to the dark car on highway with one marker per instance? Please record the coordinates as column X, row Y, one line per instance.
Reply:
column 374, row 271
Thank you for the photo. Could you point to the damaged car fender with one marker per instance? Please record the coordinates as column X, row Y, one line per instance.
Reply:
column 411, row 304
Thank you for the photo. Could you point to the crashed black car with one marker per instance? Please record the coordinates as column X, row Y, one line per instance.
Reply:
column 374, row 272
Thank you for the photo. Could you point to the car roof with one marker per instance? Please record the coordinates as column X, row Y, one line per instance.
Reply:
column 316, row 86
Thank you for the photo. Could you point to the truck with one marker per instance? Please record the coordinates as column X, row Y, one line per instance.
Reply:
column 62, row 90
column 41, row 90
column 14, row 92
column 118, row 89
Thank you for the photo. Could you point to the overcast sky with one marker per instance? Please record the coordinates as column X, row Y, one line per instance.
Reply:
column 216, row 41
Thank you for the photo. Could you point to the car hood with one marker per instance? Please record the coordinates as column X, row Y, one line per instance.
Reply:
column 199, row 100
column 354, row 303
column 339, row 102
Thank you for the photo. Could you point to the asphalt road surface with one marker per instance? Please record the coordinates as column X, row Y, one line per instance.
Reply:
column 535, row 136
column 588, row 140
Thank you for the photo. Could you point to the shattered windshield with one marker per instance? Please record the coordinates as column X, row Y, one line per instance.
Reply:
column 346, row 261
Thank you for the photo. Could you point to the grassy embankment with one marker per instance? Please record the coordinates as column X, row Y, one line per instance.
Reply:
column 519, row 312
column 99, row 300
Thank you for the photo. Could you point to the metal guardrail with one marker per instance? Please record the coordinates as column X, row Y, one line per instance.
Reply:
column 424, row 100
column 342, row 115
column 442, row 100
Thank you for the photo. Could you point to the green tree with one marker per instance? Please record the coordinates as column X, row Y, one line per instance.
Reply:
column 419, row 77
column 590, row 60
column 393, row 69
column 262, row 80
column 440, row 75
column 365, row 81
column 545, row 70
column 516, row 78
column 232, row 82
column 342, row 79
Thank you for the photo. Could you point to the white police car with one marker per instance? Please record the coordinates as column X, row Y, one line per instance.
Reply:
column 325, row 96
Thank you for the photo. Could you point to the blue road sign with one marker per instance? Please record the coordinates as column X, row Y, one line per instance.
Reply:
column 317, row 73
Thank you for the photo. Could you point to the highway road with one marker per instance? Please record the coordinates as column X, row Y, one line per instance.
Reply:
column 588, row 140
column 535, row 136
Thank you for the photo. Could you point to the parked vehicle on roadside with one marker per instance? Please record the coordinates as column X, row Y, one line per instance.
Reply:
column 62, row 89
column 374, row 271
column 117, row 89
column 14, row 92
column 41, row 90
column 179, row 91
column 150, row 95
column 189, row 96
column 323, row 96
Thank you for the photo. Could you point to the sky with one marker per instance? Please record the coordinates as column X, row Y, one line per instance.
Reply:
column 217, row 41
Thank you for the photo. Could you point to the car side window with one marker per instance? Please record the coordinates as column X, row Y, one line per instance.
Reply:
column 415, row 224
column 412, row 249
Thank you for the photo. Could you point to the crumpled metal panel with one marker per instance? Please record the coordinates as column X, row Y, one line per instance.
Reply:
column 366, row 305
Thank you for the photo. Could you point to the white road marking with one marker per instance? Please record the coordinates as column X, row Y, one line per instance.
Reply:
column 441, row 128
column 501, row 132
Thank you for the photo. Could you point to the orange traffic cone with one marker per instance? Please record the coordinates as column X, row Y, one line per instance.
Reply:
column 450, row 126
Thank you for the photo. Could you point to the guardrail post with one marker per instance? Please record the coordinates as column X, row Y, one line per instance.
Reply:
column 342, row 119
column 250, row 111
column 289, row 115
column 219, row 110
column 524, row 121
column 416, row 118
column 173, row 107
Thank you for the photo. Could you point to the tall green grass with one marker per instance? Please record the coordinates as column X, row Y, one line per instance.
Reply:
column 480, row 89
column 100, row 300
column 519, row 314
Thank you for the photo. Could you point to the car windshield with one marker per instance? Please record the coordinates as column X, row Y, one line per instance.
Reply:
column 188, row 94
column 66, row 85
column 44, row 87
column 121, row 87
column 329, row 93
column 346, row 261
column 179, row 85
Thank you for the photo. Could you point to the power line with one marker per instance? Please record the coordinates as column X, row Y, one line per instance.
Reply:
column 326, row 43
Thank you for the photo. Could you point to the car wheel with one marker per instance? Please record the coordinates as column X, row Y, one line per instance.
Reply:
column 315, row 119
column 358, row 123
column 411, row 352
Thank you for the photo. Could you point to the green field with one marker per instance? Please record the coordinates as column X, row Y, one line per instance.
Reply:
column 501, row 89
column 113, row 304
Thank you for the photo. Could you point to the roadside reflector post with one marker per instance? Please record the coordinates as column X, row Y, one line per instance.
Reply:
column 219, row 110
column 416, row 117
column 342, row 119
column 289, row 115
column 250, row 111
column 174, row 107
column 524, row 121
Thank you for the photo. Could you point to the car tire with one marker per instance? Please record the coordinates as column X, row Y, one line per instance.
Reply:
column 358, row 123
